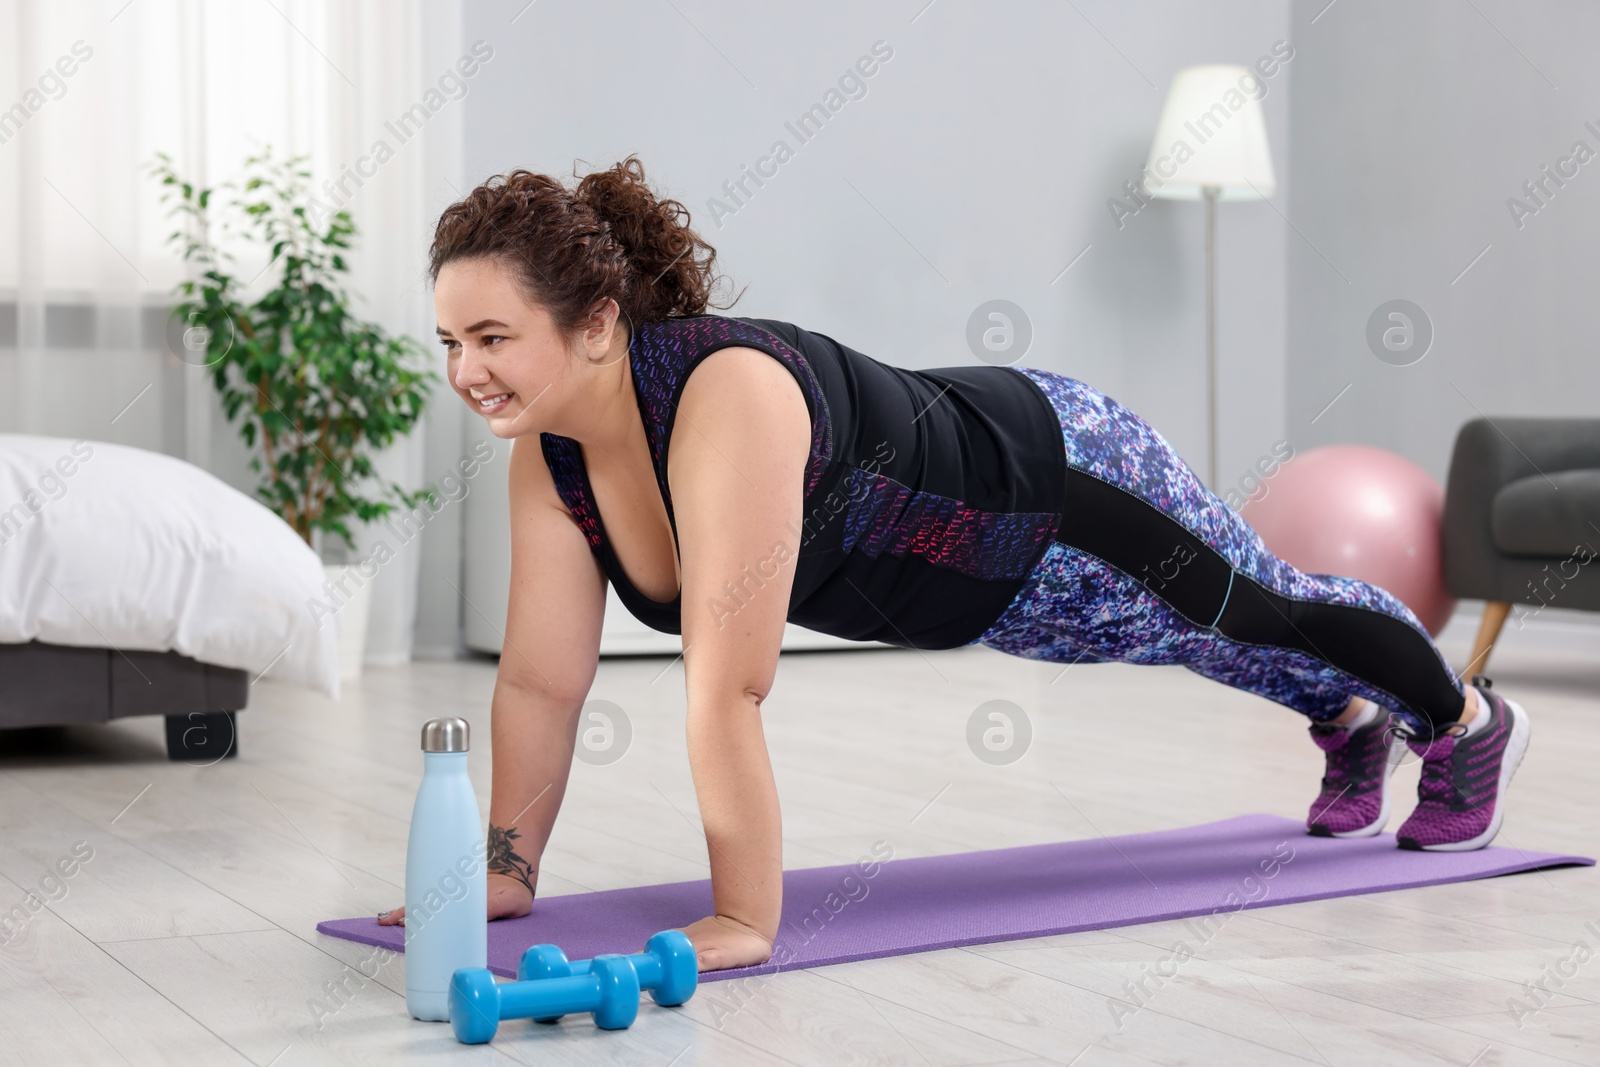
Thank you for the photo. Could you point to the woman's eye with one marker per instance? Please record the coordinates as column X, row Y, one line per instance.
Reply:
column 451, row 345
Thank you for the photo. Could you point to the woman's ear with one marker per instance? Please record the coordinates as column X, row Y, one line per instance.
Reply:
column 603, row 333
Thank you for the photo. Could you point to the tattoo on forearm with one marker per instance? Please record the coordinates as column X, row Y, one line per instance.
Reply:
column 503, row 858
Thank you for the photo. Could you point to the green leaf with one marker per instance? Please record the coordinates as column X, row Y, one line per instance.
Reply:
column 295, row 367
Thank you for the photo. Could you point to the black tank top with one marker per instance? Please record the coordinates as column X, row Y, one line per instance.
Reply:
column 929, row 494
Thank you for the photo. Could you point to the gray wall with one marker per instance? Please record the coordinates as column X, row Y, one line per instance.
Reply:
column 1413, row 124
column 439, row 608
column 977, row 166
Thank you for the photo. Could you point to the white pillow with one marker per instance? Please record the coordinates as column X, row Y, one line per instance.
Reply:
column 115, row 547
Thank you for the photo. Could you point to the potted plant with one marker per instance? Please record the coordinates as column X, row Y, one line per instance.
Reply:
column 316, row 393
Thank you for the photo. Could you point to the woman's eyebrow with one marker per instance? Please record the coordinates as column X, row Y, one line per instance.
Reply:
column 475, row 327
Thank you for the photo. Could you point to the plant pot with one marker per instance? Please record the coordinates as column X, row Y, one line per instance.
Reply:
column 352, row 595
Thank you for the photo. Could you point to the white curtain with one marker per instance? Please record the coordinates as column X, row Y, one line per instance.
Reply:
column 89, row 92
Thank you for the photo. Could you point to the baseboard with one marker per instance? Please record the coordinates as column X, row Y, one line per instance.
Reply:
column 393, row 659
column 652, row 642
column 1528, row 626
column 642, row 642
column 1554, row 629
column 435, row 652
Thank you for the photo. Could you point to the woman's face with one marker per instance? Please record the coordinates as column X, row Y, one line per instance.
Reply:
column 503, row 351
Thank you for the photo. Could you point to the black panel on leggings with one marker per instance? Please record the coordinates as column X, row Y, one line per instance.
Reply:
column 1379, row 649
column 1193, row 578
column 1141, row 539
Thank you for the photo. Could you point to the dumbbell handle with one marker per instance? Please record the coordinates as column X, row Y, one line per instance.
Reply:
column 667, row 968
column 551, row 996
column 609, row 990
column 645, row 964
column 613, row 997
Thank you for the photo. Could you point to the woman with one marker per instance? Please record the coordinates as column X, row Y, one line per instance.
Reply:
column 729, row 474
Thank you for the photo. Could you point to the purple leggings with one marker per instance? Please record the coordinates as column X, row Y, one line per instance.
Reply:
column 1150, row 566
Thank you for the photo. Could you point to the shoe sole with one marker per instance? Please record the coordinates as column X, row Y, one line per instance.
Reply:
column 1397, row 752
column 1516, row 748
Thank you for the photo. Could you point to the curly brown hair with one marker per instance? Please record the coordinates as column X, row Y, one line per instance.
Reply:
column 571, row 249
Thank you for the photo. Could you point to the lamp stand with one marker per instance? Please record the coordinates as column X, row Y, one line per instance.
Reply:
column 1209, row 192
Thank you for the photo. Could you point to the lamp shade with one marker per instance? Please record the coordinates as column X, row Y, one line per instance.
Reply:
column 1211, row 133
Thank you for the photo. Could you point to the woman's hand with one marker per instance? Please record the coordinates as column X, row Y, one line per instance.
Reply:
column 509, row 898
column 721, row 942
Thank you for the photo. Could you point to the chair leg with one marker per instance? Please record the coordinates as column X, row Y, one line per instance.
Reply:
column 1494, row 617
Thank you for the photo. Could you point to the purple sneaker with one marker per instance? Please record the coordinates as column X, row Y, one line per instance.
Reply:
column 1464, row 779
column 1355, row 786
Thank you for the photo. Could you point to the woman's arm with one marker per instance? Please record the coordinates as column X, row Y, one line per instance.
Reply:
column 548, row 662
column 736, row 466
column 547, row 665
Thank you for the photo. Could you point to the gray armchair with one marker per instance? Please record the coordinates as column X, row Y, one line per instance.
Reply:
column 1522, row 519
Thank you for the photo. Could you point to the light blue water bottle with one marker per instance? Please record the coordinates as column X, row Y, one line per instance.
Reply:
column 447, row 902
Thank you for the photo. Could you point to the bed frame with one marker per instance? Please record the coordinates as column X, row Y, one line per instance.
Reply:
column 57, row 685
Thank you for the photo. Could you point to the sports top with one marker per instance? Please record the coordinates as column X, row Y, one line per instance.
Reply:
column 929, row 494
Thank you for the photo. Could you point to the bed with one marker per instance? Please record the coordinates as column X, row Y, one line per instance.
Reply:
column 133, row 583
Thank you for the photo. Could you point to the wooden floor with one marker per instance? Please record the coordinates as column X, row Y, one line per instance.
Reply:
column 188, row 937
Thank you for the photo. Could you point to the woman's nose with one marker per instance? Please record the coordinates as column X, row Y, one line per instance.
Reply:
column 470, row 370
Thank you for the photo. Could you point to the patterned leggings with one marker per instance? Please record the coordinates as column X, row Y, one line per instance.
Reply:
column 1150, row 566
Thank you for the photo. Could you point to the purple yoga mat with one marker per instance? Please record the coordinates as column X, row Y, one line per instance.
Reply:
column 855, row 912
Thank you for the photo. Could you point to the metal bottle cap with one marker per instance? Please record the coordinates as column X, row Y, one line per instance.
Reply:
column 447, row 734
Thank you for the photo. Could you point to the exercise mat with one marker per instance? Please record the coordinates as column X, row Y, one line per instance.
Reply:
column 886, row 906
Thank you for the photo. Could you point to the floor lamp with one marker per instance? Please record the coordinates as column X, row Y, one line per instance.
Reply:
column 1210, row 145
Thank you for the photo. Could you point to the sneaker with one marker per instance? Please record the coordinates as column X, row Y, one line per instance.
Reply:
column 1355, row 786
column 1464, row 779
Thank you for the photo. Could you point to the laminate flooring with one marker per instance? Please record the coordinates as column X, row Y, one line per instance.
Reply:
column 188, row 936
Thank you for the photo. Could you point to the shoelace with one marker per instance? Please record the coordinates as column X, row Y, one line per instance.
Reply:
column 1342, row 761
column 1398, row 726
column 1437, row 785
column 1340, row 764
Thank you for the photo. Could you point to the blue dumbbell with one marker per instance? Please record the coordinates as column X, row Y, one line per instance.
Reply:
column 667, row 968
column 609, row 988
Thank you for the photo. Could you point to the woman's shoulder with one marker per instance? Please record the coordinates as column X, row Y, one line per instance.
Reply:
column 686, row 336
column 684, row 343
column 668, row 350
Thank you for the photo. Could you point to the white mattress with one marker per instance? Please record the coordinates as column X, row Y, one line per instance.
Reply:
column 109, row 546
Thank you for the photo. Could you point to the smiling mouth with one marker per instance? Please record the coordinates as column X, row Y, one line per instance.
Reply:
column 494, row 403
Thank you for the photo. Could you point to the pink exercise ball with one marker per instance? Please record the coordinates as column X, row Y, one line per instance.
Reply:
column 1359, row 512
